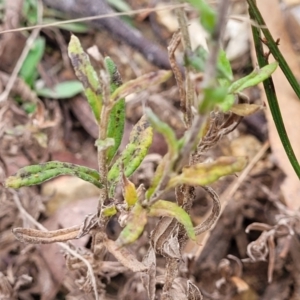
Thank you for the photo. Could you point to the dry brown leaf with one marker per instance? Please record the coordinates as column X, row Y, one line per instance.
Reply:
column 124, row 257
column 288, row 101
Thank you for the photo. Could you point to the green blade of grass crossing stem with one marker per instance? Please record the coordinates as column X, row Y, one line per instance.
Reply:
column 115, row 127
column 163, row 208
column 87, row 75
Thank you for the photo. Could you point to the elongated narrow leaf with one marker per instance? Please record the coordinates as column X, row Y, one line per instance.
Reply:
column 37, row 174
column 245, row 109
column 129, row 191
column 141, row 83
column 63, row 90
column 115, row 126
column 136, row 150
column 256, row 77
column 134, row 227
column 29, row 68
column 157, row 176
column 206, row 173
column 163, row 129
column 163, row 208
column 87, row 75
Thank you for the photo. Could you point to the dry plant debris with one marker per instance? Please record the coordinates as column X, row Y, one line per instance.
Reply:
column 137, row 239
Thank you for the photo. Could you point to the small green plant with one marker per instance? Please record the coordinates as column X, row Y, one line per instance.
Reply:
column 218, row 108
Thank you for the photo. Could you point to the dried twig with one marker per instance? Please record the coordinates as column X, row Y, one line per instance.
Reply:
column 26, row 215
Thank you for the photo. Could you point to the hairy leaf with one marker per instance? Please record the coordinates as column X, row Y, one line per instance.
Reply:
column 37, row 174
column 135, row 226
column 116, row 121
column 139, row 142
column 163, row 208
column 159, row 172
column 206, row 173
column 87, row 75
column 256, row 77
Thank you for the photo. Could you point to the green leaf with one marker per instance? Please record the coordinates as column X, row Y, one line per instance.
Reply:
column 227, row 103
column 198, row 59
column 29, row 68
column 30, row 11
column 119, row 5
column 163, row 129
column 135, row 226
column 139, row 142
column 163, row 208
column 206, row 173
column 256, row 77
column 225, row 66
column 208, row 15
column 141, row 83
column 116, row 121
column 37, row 174
column 159, row 172
column 87, row 75
column 75, row 27
column 63, row 90
column 212, row 96
column 109, row 211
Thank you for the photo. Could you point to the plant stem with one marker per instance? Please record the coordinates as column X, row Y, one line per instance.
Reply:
column 273, row 46
column 270, row 89
column 102, row 162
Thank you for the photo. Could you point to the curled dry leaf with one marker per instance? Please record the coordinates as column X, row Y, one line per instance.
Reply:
column 33, row 236
column 215, row 213
column 149, row 277
column 124, row 256
column 245, row 109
